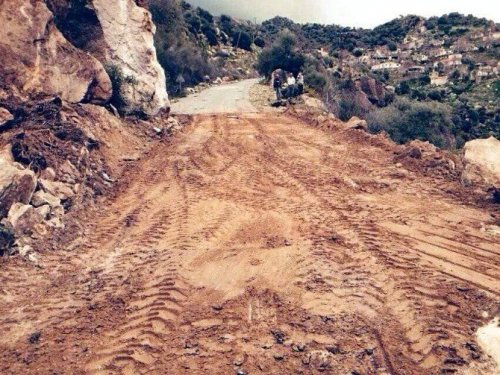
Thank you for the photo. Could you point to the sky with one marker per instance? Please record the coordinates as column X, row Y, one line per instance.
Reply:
column 354, row 13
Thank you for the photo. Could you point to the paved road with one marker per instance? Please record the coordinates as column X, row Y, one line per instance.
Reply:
column 229, row 98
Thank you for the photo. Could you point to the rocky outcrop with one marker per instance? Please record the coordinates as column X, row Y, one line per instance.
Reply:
column 482, row 162
column 5, row 116
column 119, row 34
column 17, row 184
column 35, row 58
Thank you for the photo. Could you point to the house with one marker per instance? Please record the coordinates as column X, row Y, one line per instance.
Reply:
column 437, row 80
column 416, row 69
column 420, row 58
column 452, row 60
column 389, row 65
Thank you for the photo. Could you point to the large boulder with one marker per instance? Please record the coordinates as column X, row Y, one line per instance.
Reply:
column 120, row 34
column 36, row 58
column 17, row 184
column 482, row 162
column 22, row 218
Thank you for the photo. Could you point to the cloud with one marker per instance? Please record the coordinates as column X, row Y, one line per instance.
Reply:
column 355, row 13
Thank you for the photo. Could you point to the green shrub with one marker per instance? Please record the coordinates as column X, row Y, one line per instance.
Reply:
column 260, row 42
column 406, row 120
column 242, row 39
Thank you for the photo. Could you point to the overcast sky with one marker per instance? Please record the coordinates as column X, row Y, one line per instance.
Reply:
column 355, row 13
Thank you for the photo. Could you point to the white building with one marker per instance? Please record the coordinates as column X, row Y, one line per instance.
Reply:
column 390, row 65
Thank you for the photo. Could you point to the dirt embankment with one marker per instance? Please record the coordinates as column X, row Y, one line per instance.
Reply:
column 260, row 244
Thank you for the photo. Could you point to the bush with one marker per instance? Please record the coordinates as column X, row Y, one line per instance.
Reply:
column 260, row 42
column 242, row 39
column 316, row 80
column 118, row 79
column 407, row 120
column 186, row 61
column 283, row 54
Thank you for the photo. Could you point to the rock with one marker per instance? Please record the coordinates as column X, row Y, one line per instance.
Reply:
column 17, row 183
column 48, row 174
column 120, row 35
column 37, row 58
column 357, row 123
column 278, row 356
column 5, row 116
column 57, row 189
column 223, row 53
column 43, row 211
column 218, row 81
column 22, row 218
column 299, row 347
column 319, row 359
column 190, row 91
column 41, row 198
column 314, row 103
column 238, row 361
column 25, row 250
column 482, row 162
column 68, row 173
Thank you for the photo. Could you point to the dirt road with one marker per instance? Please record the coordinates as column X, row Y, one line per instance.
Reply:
column 226, row 98
column 256, row 244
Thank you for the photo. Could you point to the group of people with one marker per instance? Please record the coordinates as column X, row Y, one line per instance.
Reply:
column 294, row 86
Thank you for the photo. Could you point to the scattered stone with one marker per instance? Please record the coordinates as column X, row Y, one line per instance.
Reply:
column 17, row 184
column 279, row 336
column 334, row 349
column 41, row 198
column 357, row 123
column 22, row 218
column 278, row 356
column 299, row 347
column 217, row 307
column 34, row 338
column 106, row 177
column 288, row 243
column 57, row 189
column 319, row 359
column 48, row 174
column 5, row 116
column 239, row 361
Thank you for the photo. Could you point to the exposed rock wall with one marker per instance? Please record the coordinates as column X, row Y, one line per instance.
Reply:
column 120, row 34
column 128, row 33
column 35, row 58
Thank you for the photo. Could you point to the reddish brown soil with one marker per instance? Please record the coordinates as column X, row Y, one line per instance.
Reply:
column 262, row 245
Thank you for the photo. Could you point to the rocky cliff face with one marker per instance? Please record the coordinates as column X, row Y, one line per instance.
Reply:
column 36, row 58
column 120, row 35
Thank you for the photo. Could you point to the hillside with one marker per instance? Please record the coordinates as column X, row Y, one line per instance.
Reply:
column 450, row 60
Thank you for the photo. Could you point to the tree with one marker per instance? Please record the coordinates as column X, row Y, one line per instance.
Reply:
column 242, row 39
column 283, row 54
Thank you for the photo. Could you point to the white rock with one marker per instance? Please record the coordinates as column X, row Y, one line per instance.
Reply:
column 17, row 183
column 482, row 162
column 41, row 198
column 57, row 189
column 22, row 218
column 128, row 32
column 5, row 116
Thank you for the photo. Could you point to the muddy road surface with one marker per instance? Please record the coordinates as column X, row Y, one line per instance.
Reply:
column 257, row 244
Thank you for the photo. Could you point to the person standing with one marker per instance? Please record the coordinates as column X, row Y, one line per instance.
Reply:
column 291, row 85
column 277, row 85
column 300, row 83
